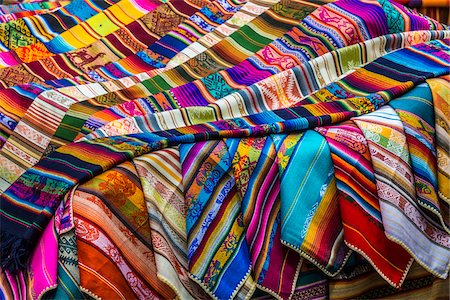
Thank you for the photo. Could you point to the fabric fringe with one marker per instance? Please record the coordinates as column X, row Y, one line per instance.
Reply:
column 14, row 252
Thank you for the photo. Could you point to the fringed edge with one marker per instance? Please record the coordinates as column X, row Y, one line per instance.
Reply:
column 275, row 294
column 46, row 290
column 89, row 293
column 211, row 293
column 14, row 252
column 396, row 285
column 315, row 262
column 172, row 286
column 443, row 275
column 422, row 203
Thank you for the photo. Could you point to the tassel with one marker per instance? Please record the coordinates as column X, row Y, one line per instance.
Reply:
column 14, row 252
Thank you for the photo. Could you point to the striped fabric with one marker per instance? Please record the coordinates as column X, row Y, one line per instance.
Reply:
column 117, row 149
column 255, row 167
column 246, row 14
column 405, row 39
column 161, row 179
column 151, row 56
column 359, row 205
column 310, row 221
column 269, row 60
column 394, row 178
column 218, row 253
column 239, row 45
column 94, row 23
column 126, row 41
column 158, row 102
column 439, row 88
column 107, row 234
column 35, row 105
column 285, row 89
column 418, row 125
column 218, row 85
column 42, row 28
column 158, row 54
column 75, row 120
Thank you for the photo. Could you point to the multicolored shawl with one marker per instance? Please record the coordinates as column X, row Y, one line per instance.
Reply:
column 97, row 24
column 359, row 204
column 416, row 232
column 310, row 220
column 112, row 226
column 161, row 179
column 278, row 121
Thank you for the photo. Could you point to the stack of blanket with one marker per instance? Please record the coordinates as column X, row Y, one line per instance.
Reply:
column 224, row 149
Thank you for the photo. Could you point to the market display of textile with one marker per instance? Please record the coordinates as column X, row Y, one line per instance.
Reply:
column 224, row 149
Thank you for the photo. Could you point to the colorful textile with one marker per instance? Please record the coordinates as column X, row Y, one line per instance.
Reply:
column 396, row 192
column 419, row 283
column 285, row 89
column 94, row 24
column 62, row 112
column 230, row 51
column 282, row 149
column 439, row 88
column 359, row 204
column 160, row 52
column 418, row 125
column 167, row 100
column 255, row 166
column 161, row 179
column 225, row 263
column 223, row 83
column 284, row 120
column 310, row 221
column 245, row 15
column 121, row 43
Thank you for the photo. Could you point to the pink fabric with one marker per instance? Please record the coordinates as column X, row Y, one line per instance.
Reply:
column 44, row 262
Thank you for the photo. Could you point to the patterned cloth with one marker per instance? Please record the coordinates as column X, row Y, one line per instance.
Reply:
column 282, row 149
column 72, row 119
column 83, row 61
column 93, row 21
